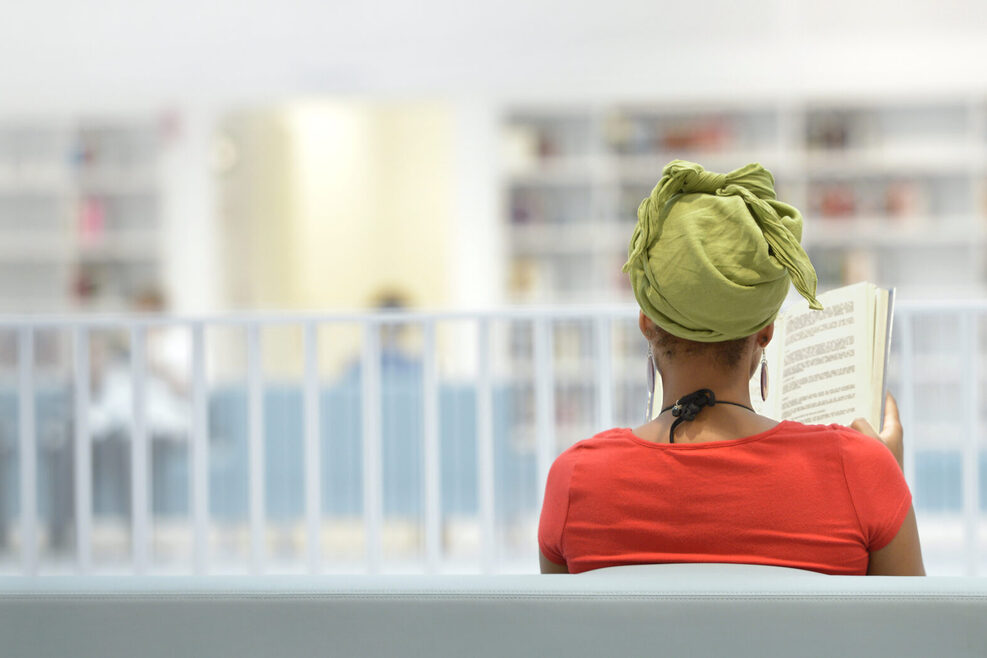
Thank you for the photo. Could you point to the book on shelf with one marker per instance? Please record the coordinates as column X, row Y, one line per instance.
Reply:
column 828, row 366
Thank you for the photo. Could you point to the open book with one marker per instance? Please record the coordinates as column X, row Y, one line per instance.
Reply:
column 828, row 366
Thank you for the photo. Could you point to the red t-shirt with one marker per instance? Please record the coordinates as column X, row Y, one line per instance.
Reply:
column 805, row 496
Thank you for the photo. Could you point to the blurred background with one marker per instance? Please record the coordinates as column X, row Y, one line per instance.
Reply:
column 387, row 156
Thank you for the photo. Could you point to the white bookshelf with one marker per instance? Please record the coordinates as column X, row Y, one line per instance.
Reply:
column 80, row 214
column 893, row 190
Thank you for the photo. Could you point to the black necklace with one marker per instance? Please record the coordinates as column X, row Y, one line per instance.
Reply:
column 687, row 406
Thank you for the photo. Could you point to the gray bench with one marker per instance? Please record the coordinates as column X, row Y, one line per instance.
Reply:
column 668, row 610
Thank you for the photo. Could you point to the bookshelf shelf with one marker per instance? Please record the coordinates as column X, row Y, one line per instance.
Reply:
column 894, row 232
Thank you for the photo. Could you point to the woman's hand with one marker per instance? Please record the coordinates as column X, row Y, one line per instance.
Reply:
column 892, row 434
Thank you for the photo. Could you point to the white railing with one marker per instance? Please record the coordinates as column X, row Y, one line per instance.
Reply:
column 483, row 358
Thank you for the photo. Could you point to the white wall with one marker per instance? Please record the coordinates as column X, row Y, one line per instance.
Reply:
column 61, row 54
column 476, row 240
column 193, row 276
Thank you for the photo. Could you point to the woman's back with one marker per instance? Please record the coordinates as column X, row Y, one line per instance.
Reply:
column 811, row 497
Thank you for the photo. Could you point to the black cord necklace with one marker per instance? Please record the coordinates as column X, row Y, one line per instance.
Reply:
column 687, row 406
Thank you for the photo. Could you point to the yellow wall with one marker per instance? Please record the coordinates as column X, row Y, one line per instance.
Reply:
column 372, row 195
column 331, row 203
column 255, row 211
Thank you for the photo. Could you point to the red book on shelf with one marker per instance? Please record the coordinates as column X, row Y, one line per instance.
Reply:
column 92, row 221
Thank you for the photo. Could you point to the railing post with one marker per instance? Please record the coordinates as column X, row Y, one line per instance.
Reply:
column 603, row 356
column 544, row 400
column 199, row 451
column 485, row 454
column 28, row 451
column 431, row 468
column 969, row 345
column 139, row 450
column 904, row 329
column 313, row 452
column 255, row 449
column 83, row 451
column 370, row 397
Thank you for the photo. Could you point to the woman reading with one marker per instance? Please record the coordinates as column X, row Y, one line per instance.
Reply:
column 711, row 261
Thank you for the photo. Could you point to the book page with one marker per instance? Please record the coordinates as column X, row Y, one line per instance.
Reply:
column 826, row 359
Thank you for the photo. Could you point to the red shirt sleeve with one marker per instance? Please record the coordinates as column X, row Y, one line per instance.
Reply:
column 878, row 490
column 555, row 507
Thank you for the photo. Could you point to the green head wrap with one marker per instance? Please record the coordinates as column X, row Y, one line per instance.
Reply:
column 712, row 255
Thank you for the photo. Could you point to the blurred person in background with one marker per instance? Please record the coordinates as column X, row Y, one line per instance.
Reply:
column 711, row 261
column 111, row 412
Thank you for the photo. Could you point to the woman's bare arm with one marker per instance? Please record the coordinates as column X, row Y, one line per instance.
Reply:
column 547, row 566
column 903, row 554
column 892, row 434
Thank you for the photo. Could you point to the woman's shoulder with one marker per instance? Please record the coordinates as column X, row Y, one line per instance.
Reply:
column 832, row 430
column 849, row 440
column 606, row 440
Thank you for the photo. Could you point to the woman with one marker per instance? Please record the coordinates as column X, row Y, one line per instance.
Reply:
column 710, row 480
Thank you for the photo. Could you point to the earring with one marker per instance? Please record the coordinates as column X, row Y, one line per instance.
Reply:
column 651, row 384
column 764, row 375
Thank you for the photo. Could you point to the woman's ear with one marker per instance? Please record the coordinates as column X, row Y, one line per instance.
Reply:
column 765, row 335
column 646, row 326
column 761, row 340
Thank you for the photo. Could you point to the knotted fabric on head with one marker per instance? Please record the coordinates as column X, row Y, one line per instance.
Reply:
column 713, row 255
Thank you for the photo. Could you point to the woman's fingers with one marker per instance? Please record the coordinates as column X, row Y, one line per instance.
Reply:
column 891, row 434
column 891, row 417
column 862, row 426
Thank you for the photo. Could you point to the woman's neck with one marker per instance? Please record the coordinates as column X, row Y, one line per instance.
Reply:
column 684, row 379
column 722, row 422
